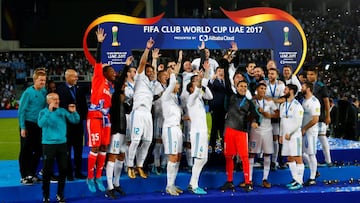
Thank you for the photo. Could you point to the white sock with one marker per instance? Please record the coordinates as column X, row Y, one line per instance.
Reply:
column 142, row 153
column 266, row 171
column 171, row 173
column 117, row 172
column 110, row 174
column 276, row 151
column 196, row 170
column 306, row 159
column 325, row 148
column 132, row 152
column 251, row 161
column 312, row 166
column 300, row 172
column 293, row 170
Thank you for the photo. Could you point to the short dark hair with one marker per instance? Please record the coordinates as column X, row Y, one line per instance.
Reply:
column 309, row 85
column 261, row 84
column 292, row 87
column 188, row 86
column 241, row 81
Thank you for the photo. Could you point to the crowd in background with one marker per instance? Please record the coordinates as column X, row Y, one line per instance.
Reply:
column 333, row 38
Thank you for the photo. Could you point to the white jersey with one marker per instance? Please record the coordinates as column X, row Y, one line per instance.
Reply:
column 311, row 108
column 159, row 89
column 170, row 104
column 291, row 114
column 295, row 81
column 268, row 106
column 144, row 92
column 196, row 110
column 276, row 90
column 129, row 92
column 212, row 62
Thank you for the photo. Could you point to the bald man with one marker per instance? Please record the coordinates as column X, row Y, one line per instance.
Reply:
column 70, row 93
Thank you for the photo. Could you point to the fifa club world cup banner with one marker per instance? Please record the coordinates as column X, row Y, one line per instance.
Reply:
column 254, row 28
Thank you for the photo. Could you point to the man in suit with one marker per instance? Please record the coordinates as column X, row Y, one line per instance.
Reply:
column 217, row 108
column 70, row 93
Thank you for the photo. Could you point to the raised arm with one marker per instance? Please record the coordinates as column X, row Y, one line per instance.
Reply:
column 178, row 64
column 144, row 57
column 100, row 36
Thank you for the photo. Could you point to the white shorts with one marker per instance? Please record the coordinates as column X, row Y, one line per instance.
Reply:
column 322, row 128
column 309, row 143
column 172, row 140
column 141, row 125
column 186, row 131
column 275, row 128
column 117, row 144
column 261, row 141
column 158, row 124
column 292, row 147
column 199, row 144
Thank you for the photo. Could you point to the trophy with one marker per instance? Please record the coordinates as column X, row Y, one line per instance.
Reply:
column 286, row 36
column 114, row 30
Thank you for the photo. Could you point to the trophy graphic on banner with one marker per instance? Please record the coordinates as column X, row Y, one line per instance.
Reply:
column 114, row 30
column 286, row 36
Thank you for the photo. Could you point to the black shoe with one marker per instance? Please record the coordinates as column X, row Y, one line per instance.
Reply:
column 227, row 186
column 46, row 200
column 27, row 181
column 110, row 194
column 248, row 188
column 60, row 198
column 80, row 176
column 273, row 166
column 119, row 190
column 54, row 179
column 310, row 182
column 36, row 179
column 317, row 174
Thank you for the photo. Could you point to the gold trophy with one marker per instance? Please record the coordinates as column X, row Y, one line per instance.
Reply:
column 114, row 30
column 286, row 36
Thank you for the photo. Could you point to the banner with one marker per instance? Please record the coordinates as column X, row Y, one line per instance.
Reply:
column 253, row 28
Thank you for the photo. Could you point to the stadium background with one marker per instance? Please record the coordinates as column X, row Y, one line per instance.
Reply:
column 49, row 33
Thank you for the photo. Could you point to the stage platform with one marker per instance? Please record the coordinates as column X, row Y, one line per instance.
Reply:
column 337, row 183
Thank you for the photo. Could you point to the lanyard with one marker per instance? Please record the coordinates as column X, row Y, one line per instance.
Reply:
column 263, row 102
column 242, row 102
column 271, row 90
column 287, row 108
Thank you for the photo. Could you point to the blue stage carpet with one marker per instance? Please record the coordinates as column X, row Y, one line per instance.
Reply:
column 339, row 183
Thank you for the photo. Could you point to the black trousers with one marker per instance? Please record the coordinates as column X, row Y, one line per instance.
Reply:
column 30, row 150
column 75, row 142
column 217, row 126
column 52, row 152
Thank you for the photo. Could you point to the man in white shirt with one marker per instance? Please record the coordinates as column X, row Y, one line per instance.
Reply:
column 197, row 63
column 141, row 118
column 291, row 114
column 310, row 130
column 275, row 90
column 172, row 135
column 261, row 137
column 198, row 131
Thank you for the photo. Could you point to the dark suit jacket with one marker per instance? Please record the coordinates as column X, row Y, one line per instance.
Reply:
column 218, row 91
column 67, row 98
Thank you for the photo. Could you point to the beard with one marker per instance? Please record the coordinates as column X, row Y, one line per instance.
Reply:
column 287, row 95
